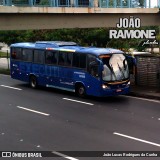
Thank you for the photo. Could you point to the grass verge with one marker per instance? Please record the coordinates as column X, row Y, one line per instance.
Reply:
column 4, row 71
column 4, row 55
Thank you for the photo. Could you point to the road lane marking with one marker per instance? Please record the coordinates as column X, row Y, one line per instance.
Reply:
column 137, row 139
column 91, row 104
column 27, row 109
column 64, row 156
column 11, row 87
column 144, row 99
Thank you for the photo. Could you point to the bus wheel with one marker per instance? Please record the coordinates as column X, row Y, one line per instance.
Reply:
column 33, row 82
column 80, row 90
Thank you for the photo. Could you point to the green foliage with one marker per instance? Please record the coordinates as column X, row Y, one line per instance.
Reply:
column 98, row 37
column 10, row 37
column 121, row 44
column 44, row 2
column 4, row 55
column 158, row 37
column 141, row 3
column 5, row 71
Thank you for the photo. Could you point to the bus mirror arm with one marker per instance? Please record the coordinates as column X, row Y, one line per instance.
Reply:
column 100, row 64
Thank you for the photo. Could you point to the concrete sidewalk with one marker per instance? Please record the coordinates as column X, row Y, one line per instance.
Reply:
column 4, row 63
column 145, row 92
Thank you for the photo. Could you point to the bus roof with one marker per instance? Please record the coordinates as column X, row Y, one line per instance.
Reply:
column 66, row 46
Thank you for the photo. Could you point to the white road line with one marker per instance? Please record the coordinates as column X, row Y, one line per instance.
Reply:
column 11, row 87
column 64, row 156
column 78, row 101
column 144, row 99
column 45, row 114
column 137, row 139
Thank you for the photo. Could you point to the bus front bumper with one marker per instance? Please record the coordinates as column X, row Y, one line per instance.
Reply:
column 115, row 92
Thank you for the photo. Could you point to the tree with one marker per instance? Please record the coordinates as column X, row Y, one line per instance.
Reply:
column 134, row 3
column 141, row 3
column 10, row 37
column 98, row 37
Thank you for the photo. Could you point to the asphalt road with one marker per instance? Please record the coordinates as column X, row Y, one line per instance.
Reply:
column 53, row 120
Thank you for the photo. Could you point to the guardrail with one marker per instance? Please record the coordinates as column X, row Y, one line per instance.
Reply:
column 82, row 3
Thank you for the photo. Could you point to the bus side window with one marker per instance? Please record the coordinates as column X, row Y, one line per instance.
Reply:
column 38, row 56
column 68, row 59
column 82, row 63
column 51, row 57
column 16, row 53
column 75, row 62
column 65, row 59
column 61, row 58
column 79, row 60
column 27, row 55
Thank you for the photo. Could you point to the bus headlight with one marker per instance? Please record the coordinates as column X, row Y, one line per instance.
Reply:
column 128, row 84
column 104, row 86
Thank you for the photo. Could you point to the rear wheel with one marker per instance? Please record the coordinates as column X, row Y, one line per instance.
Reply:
column 33, row 82
column 80, row 90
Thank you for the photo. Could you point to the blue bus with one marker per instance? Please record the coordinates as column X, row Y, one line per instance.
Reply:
column 68, row 66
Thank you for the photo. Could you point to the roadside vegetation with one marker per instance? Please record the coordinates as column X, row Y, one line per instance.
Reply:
column 98, row 37
column 4, row 55
column 5, row 71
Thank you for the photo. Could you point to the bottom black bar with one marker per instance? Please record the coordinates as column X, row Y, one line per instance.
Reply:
column 39, row 154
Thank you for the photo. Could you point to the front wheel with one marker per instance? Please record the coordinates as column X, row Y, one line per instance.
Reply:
column 80, row 91
column 33, row 82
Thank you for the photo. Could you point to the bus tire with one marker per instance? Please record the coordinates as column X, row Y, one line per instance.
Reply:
column 80, row 90
column 33, row 82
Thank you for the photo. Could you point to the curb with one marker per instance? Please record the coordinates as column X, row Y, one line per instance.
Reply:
column 142, row 95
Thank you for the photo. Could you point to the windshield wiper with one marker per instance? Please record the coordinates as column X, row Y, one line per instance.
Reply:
column 121, row 71
column 111, row 68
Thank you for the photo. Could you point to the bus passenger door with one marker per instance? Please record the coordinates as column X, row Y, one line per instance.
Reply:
column 38, row 67
column 51, row 68
column 66, row 71
column 93, row 75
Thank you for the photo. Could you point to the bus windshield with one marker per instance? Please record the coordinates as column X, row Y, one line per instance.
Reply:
column 115, row 67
